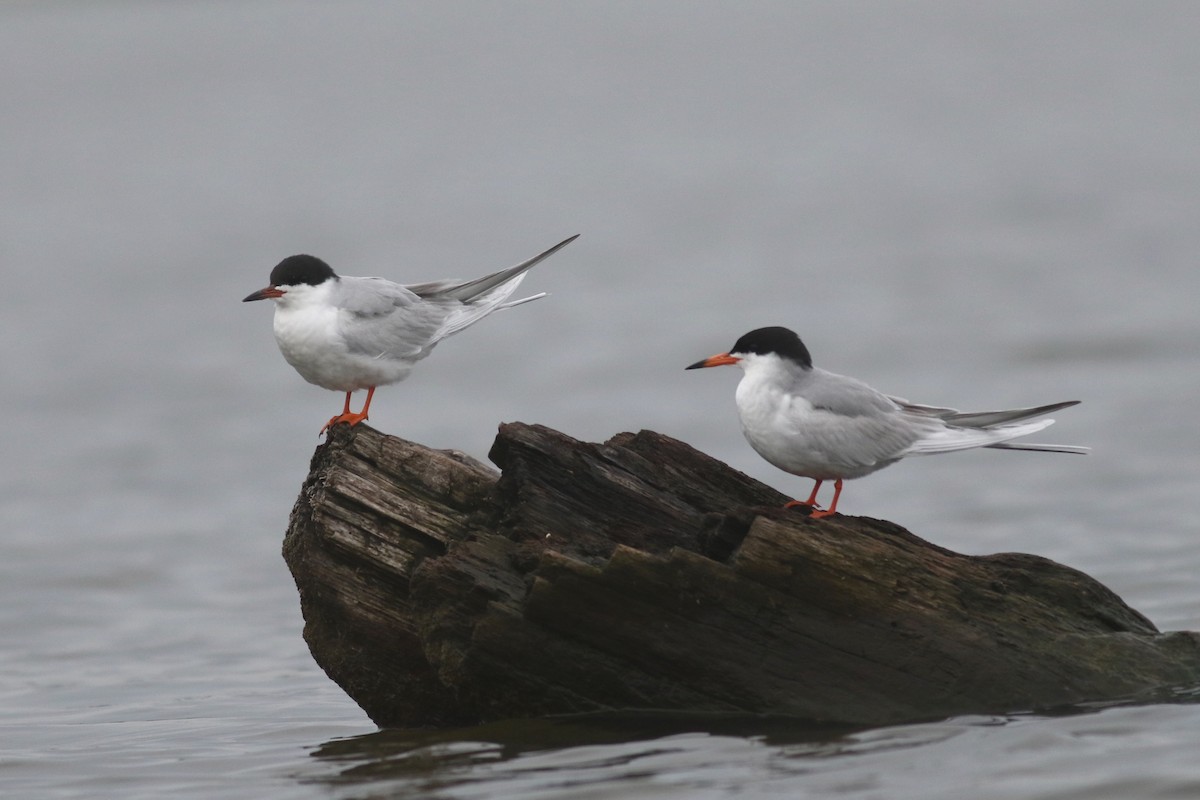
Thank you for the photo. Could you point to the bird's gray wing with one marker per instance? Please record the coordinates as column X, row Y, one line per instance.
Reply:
column 987, row 419
column 382, row 319
column 1042, row 448
column 851, row 424
column 842, row 395
column 941, row 412
column 433, row 288
column 980, row 419
column 468, row 291
column 467, row 302
column 984, row 428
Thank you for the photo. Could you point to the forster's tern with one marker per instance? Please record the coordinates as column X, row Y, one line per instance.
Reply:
column 824, row 426
column 345, row 333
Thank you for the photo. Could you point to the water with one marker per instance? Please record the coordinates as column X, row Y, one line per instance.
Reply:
column 967, row 205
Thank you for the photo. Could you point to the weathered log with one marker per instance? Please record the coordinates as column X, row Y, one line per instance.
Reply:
column 642, row 574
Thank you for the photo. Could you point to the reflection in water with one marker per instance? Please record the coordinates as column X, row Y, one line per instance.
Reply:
column 616, row 753
column 604, row 746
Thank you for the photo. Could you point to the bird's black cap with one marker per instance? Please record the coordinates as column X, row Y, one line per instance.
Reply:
column 781, row 341
column 295, row 270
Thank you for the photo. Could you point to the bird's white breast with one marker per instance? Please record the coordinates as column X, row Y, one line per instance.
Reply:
column 773, row 421
column 308, row 332
column 787, row 430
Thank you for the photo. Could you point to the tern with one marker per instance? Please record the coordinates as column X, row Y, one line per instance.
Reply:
column 344, row 333
column 829, row 427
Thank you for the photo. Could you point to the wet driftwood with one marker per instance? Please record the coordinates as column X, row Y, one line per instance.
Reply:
column 642, row 574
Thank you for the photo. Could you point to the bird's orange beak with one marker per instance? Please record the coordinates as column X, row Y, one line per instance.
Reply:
column 263, row 294
column 718, row 360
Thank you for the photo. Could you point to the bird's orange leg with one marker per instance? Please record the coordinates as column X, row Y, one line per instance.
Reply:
column 354, row 419
column 811, row 502
column 837, row 492
column 347, row 416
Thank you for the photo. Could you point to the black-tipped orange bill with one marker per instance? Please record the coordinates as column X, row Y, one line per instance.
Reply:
column 263, row 294
column 719, row 360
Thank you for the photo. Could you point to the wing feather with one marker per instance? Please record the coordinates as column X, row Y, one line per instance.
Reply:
column 382, row 319
column 842, row 395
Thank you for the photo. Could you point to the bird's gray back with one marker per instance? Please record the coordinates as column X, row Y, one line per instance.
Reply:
column 841, row 394
column 380, row 318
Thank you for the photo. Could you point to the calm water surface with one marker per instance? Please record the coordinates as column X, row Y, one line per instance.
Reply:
column 965, row 205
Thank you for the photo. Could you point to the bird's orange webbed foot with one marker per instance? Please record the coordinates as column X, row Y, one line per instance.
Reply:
column 348, row 416
column 837, row 492
column 810, row 503
column 816, row 512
